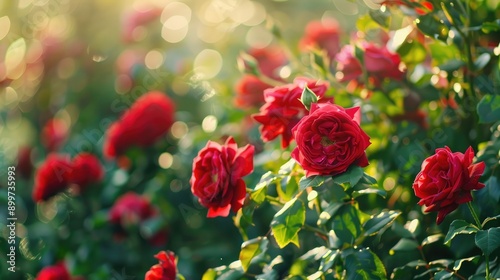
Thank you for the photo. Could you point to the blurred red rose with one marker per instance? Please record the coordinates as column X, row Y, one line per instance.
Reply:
column 166, row 269
column 87, row 169
column 24, row 163
column 135, row 18
column 382, row 63
column 446, row 181
column 54, row 133
column 348, row 64
column 52, row 177
column 329, row 140
column 283, row 109
column 130, row 209
column 54, row 272
column 323, row 35
column 269, row 60
column 250, row 92
column 217, row 176
column 149, row 118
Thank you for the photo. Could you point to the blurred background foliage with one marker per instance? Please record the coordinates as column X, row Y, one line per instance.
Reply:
column 85, row 62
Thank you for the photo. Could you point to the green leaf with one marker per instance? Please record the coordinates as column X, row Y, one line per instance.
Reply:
column 328, row 213
column 352, row 176
column 412, row 53
column 259, row 195
column 287, row 168
column 432, row 239
column 366, row 23
column 482, row 61
column 287, row 223
column 308, row 97
column 328, row 260
column 458, row 263
column 405, row 245
column 250, row 249
column 364, row 264
column 313, row 181
column 231, row 272
column 488, row 240
column 378, row 222
column 383, row 18
column 489, row 219
column 346, row 224
column 452, row 65
column 490, row 26
column 432, row 26
column 488, row 108
column 459, row 227
column 287, row 188
column 441, row 275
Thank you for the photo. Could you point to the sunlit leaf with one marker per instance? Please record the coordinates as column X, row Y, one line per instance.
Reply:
column 379, row 221
column 250, row 249
column 287, row 223
column 364, row 264
column 459, row 227
column 347, row 224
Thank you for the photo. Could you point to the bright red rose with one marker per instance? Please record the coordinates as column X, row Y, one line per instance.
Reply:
column 283, row 109
column 130, row 208
column 54, row 133
column 166, row 269
column 323, row 35
column 52, row 177
column 54, row 272
column 381, row 63
column 446, row 181
column 149, row 118
column 348, row 64
column 86, row 170
column 217, row 173
column 329, row 140
column 269, row 60
column 250, row 92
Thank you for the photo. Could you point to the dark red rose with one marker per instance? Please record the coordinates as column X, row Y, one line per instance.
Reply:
column 86, row 170
column 54, row 133
column 329, row 140
column 217, row 173
column 149, row 118
column 323, row 35
column 381, row 63
column 131, row 208
column 166, row 269
column 348, row 64
column 446, row 181
column 269, row 60
column 250, row 92
column 52, row 177
column 24, row 163
column 283, row 109
column 54, row 272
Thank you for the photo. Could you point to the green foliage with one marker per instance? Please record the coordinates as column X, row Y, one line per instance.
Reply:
column 287, row 223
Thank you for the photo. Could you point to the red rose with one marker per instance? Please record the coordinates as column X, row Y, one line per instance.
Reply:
column 217, row 173
column 250, row 92
column 54, row 133
column 86, row 170
column 149, row 118
column 54, row 272
column 130, row 208
column 323, row 35
column 329, row 140
column 24, row 163
column 166, row 269
column 283, row 109
column 446, row 181
column 269, row 60
column 136, row 18
column 52, row 177
column 381, row 63
column 348, row 64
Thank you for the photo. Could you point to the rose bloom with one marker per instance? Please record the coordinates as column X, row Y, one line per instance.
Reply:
column 166, row 269
column 130, row 208
column 446, row 181
column 86, row 170
column 54, row 272
column 381, row 63
column 269, row 60
column 54, row 133
column 149, row 118
column 283, row 109
column 52, row 177
column 329, row 140
column 250, row 92
column 217, row 176
column 323, row 35
column 348, row 64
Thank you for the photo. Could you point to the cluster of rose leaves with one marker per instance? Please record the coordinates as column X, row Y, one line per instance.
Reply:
column 328, row 139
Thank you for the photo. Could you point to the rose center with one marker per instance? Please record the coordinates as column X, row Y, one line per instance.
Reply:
column 325, row 141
